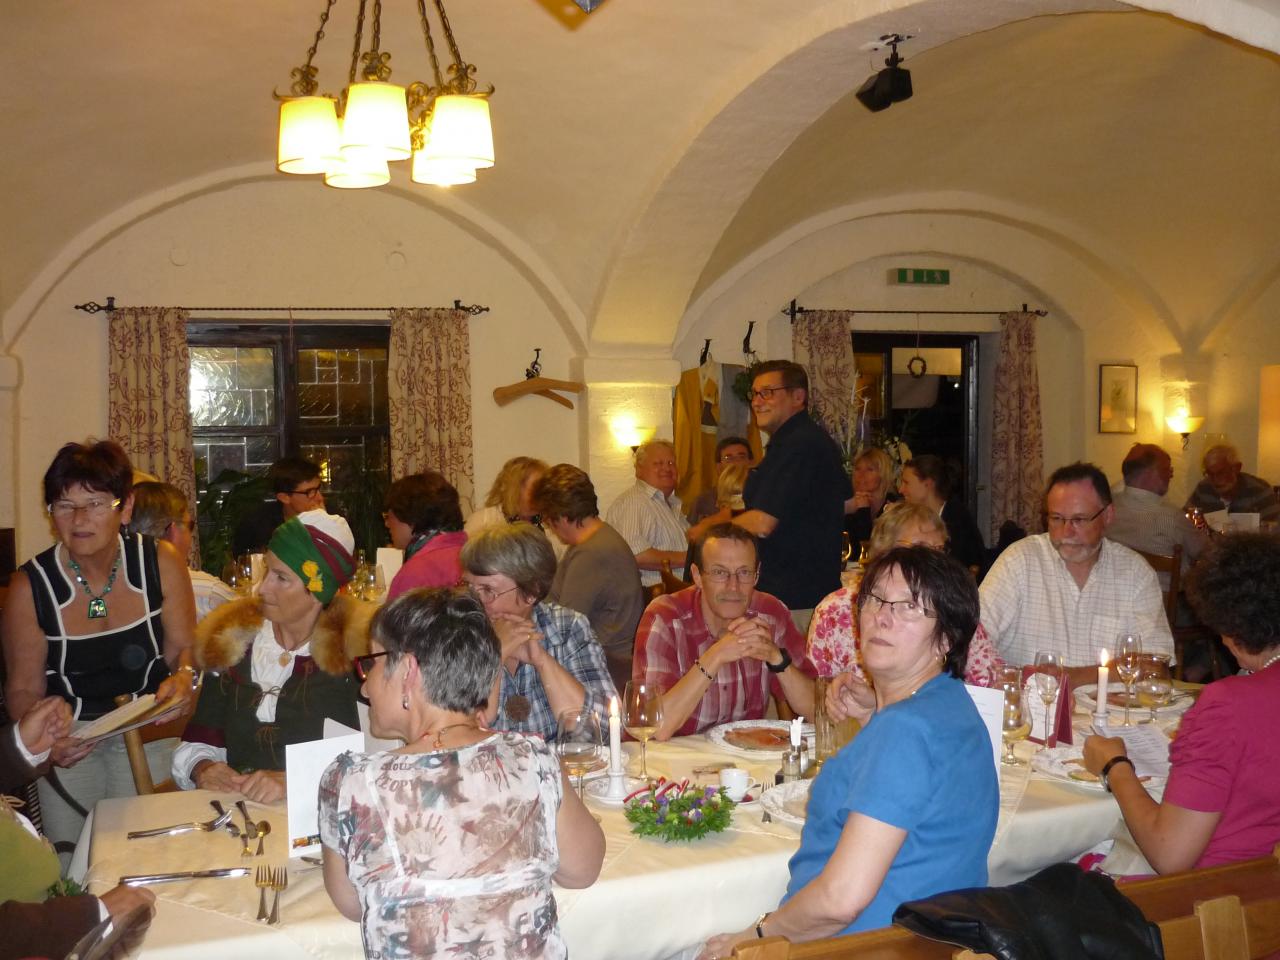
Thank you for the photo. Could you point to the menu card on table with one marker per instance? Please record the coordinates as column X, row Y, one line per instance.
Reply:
column 1059, row 711
column 304, row 764
column 990, row 704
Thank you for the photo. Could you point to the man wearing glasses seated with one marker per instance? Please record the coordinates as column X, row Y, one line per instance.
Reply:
column 1071, row 589
column 720, row 648
column 297, row 488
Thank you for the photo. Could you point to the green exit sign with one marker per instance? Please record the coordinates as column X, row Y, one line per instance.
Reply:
column 939, row 278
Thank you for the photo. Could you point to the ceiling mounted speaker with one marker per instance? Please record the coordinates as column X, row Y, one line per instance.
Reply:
column 891, row 85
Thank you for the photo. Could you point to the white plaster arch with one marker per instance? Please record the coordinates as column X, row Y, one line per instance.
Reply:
column 1023, row 245
column 658, row 260
column 485, row 228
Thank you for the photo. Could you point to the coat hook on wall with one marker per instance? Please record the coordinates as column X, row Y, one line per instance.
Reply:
column 535, row 368
column 535, row 383
column 706, row 351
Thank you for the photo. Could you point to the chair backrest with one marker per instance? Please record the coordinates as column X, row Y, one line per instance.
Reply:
column 134, row 741
column 1172, row 565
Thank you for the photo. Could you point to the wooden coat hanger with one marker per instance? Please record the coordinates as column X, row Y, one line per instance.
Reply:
column 535, row 383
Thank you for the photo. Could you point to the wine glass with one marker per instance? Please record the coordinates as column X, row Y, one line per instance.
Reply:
column 375, row 585
column 1015, row 724
column 1048, row 680
column 642, row 715
column 580, row 744
column 1127, row 660
column 1155, row 686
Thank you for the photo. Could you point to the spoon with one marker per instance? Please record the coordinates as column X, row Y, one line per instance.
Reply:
column 264, row 827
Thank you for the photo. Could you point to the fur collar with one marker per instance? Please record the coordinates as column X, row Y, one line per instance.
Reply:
column 342, row 632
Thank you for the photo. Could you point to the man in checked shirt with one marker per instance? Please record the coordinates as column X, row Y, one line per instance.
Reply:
column 720, row 648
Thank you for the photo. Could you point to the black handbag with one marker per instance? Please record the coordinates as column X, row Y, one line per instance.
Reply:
column 1061, row 913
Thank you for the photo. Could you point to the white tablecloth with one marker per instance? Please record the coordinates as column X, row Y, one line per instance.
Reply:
column 653, row 900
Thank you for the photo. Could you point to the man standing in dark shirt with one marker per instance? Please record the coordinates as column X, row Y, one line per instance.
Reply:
column 297, row 488
column 795, row 497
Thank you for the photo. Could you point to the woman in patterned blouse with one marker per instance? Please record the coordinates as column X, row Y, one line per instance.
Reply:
column 448, row 846
column 833, row 635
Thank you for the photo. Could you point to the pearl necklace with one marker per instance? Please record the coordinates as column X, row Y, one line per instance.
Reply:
column 1268, row 663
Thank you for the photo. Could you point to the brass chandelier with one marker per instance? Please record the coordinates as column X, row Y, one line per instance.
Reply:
column 442, row 126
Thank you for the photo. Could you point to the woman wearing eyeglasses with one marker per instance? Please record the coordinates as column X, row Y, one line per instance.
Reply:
column 278, row 663
column 551, row 660
column 448, row 846
column 833, row 634
column 97, row 615
column 907, row 809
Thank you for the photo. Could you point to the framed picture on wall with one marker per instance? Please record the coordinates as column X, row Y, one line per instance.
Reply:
column 1117, row 398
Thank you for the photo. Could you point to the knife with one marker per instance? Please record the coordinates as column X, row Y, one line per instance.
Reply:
column 145, row 878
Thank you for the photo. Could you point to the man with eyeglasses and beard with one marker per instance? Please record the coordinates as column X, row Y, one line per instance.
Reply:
column 720, row 648
column 1071, row 589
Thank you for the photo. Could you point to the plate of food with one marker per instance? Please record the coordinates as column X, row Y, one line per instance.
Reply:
column 1067, row 763
column 788, row 802
column 1086, row 696
column 756, row 739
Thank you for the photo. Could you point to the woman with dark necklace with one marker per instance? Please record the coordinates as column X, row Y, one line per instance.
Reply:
column 424, row 519
column 97, row 615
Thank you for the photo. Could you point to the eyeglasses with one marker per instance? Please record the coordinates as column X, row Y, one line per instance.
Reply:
column 735, row 457
column 485, row 593
column 62, row 509
column 536, row 519
column 721, row 575
column 1057, row 520
column 764, row 393
column 311, row 493
column 364, row 665
column 906, row 611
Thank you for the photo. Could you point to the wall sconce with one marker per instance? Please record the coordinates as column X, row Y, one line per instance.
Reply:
column 628, row 434
column 1183, row 424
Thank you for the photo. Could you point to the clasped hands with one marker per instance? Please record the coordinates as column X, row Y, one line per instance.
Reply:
column 519, row 638
column 261, row 786
column 850, row 696
column 745, row 637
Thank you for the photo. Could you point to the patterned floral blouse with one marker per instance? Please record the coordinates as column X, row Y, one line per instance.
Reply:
column 833, row 643
column 452, row 851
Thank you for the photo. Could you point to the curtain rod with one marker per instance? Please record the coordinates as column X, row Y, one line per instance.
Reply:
column 793, row 311
column 473, row 309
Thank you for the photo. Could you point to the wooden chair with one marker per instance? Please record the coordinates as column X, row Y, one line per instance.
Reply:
column 669, row 583
column 1231, row 912
column 1187, row 636
column 133, row 744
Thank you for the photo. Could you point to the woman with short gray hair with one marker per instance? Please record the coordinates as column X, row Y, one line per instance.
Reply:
column 550, row 657
column 424, row 845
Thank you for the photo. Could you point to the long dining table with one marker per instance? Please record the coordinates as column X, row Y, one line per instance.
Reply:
column 652, row 900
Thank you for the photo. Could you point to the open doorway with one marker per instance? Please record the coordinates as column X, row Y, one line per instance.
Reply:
column 923, row 389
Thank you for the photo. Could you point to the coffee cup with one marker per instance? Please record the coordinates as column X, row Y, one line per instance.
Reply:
column 737, row 783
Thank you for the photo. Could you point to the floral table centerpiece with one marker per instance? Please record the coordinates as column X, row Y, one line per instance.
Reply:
column 678, row 811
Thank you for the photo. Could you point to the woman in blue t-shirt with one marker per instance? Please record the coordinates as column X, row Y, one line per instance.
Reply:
column 908, row 809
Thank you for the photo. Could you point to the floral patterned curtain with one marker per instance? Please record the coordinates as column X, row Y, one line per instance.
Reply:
column 148, row 406
column 429, row 388
column 1017, row 446
column 821, row 344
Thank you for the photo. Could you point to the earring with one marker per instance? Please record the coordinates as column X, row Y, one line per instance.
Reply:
column 404, row 702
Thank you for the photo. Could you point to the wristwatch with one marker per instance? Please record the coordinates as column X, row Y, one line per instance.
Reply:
column 1106, row 770
column 781, row 664
column 760, row 924
column 195, row 675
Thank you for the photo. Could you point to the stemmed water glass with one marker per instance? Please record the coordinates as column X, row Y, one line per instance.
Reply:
column 642, row 715
column 1127, row 660
column 1015, row 725
column 1155, row 685
column 580, row 744
column 1048, row 681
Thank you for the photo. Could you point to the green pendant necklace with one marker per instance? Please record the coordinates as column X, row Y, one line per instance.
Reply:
column 98, row 603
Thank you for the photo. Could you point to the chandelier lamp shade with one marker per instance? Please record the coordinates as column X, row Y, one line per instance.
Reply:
column 442, row 126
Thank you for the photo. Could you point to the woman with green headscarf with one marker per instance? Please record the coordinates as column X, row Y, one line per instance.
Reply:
column 279, row 663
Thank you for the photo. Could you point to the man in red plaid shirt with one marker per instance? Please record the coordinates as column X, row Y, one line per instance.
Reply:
column 719, row 648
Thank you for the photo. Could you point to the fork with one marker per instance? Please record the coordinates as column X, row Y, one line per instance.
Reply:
column 262, row 879
column 202, row 826
column 280, row 881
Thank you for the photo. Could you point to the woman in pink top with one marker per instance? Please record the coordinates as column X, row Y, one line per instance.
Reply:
column 1222, row 802
column 424, row 519
column 833, row 636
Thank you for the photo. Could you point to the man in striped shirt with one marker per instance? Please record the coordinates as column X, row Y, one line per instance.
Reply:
column 650, row 516
column 1144, row 519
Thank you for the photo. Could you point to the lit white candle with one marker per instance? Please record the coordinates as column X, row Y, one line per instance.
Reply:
column 615, row 738
column 1101, row 693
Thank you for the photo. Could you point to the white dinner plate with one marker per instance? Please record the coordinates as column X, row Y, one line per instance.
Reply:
column 1059, row 763
column 1086, row 696
column 787, row 801
column 717, row 736
column 598, row 790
